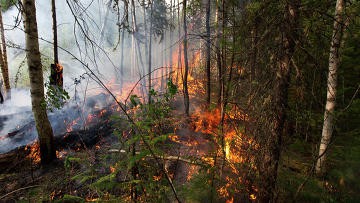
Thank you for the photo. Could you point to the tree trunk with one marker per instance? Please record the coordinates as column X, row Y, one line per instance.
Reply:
column 179, row 65
column 1, row 97
column 53, row 10
column 149, row 60
column 218, row 51
column 253, row 53
column 133, row 43
column 208, row 68
column 172, row 4
column 45, row 133
column 334, row 61
column 122, row 60
column 4, row 63
column 186, row 92
column 272, row 148
column 56, row 77
column 146, row 54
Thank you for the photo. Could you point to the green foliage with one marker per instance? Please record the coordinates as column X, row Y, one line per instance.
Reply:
column 198, row 189
column 172, row 88
column 157, row 17
column 135, row 101
column 55, row 97
column 6, row 4
column 69, row 160
column 70, row 199
column 105, row 183
column 147, row 135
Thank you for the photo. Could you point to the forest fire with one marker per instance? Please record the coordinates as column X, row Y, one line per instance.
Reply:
column 61, row 154
column 209, row 122
column 195, row 86
column 34, row 152
column 179, row 101
column 71, row 124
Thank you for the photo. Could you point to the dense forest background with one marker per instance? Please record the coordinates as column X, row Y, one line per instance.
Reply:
column 180, row 101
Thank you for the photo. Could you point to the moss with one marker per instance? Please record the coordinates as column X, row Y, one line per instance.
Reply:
column 70, row 199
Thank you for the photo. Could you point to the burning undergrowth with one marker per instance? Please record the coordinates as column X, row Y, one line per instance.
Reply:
column 82, row 118
column 230, row 154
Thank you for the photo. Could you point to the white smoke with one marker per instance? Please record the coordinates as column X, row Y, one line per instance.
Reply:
column 104, row 60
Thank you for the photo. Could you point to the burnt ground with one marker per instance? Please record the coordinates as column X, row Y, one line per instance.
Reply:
column 22, row 178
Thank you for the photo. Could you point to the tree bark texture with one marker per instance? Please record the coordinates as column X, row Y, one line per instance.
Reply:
column 208, row 67
column 45, row 133
column 186, row 71
column 280, row 102
column 4, row 63
column 218, row 50
column 179, row 64
column 334, row 61
column 150, row 52
column 53, row 10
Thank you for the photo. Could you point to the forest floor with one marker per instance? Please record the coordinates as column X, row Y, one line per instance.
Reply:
column 75, row 175
column 88, row 173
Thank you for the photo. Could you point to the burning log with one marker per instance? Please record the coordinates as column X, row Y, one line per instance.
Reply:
column 56, row 76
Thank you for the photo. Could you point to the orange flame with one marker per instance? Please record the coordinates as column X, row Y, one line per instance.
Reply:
column 34, row 154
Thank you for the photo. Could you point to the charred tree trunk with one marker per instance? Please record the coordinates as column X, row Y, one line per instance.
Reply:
column 222, row 82
column 186, row 71
column 53, row 10
column 218, row 51
column 334, row 61
column 3, row 58
column 56, row 76
column 208, row 67
column 1, row 96
column 45, row 133
column 280, row 102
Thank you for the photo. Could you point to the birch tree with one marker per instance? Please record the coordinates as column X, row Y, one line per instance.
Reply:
column 334, row 61
column 45, row 133
column 3, row 58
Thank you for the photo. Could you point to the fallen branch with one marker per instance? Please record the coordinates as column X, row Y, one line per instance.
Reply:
column 23, row 188
column 170, row 158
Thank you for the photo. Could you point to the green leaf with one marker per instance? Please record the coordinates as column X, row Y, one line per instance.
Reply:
column 134, row 99
column 160, row 138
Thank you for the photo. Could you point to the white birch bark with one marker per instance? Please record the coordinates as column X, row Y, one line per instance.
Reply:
column 334, row 61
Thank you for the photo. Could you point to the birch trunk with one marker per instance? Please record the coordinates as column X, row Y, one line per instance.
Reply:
column 150, row 52
column 334, row 61
column 45, row 133
column 4, row 63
